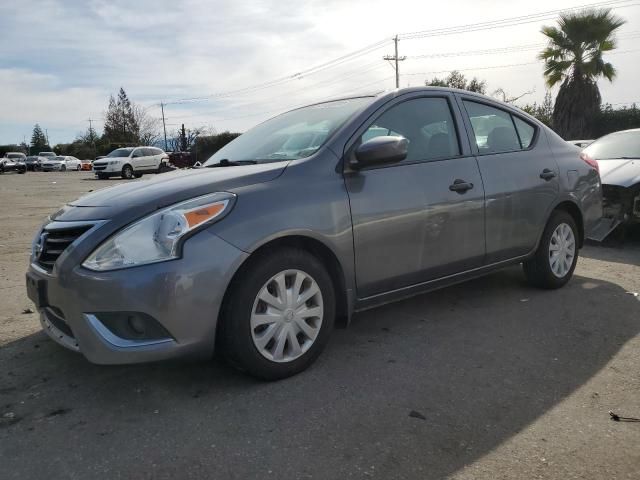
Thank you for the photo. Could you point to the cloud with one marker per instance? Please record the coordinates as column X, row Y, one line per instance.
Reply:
column 62, row 58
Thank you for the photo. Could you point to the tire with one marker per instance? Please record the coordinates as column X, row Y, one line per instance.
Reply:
column 161, row 167
column 538, row 269
column 137, row 175
column 102, row 176
column 239, row 340
column 127, row 172
column 78, row 168
column 63, row 168
column 22, row 172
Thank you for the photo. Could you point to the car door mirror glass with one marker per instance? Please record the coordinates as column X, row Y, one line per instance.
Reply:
column 380, row 151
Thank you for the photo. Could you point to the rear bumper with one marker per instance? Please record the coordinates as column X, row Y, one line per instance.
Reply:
column 182, row 296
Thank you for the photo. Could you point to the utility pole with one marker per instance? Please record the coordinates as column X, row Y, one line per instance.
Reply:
column 92, row 133
column 396, row 59
column 164, row 127
column 46, row 133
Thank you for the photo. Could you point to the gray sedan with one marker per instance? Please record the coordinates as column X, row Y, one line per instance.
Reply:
column 307, row 218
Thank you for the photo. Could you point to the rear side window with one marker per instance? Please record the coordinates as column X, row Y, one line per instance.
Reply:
column 526, row 132
column 496, row 130
column 426, row 123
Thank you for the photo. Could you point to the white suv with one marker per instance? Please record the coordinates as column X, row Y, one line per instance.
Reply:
column 130, row 162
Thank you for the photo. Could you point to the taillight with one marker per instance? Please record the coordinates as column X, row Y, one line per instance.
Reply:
column 592, row 162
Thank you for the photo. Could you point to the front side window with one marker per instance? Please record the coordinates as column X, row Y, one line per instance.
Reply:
column 493, row 128
column 426, row 123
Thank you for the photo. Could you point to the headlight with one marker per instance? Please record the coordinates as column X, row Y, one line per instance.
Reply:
column 113, row 162
column 156, row 238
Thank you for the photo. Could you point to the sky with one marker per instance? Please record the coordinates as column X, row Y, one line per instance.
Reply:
column 61, row 59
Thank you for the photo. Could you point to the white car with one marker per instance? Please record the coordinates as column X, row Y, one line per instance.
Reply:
column 60, row 163
column 130, row 162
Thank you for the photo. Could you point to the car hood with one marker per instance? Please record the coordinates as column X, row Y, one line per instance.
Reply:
column 132, row 200
column 621, row 172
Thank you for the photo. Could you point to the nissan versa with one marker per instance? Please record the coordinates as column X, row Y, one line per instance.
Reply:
column 307, row 218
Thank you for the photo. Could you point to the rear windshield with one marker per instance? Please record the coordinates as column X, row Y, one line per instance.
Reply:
column 616, row 145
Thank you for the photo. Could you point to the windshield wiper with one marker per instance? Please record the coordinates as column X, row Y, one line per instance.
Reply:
column 225, row 162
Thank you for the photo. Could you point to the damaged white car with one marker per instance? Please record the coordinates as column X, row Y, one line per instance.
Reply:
column 618, row 157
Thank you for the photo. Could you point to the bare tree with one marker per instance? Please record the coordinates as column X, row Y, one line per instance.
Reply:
column 149, row 127
column 501, row 94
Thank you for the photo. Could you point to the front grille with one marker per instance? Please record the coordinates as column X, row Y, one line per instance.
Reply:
column 55, row 241
column 97, row 168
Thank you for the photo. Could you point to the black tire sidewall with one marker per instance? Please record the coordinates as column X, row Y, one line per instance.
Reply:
column 540, row 272
column 126, row 175
column 237, row 342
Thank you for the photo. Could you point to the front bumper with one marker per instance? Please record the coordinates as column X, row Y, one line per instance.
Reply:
column 183, row 296
column 50, row 168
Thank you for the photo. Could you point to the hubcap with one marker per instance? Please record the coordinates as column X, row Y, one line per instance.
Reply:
column 562, row 250
column 286, row 316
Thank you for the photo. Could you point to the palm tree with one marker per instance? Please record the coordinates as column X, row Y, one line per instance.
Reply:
column 574, row 57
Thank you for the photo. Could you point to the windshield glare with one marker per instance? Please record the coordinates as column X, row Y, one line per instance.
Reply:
column 290, row 136
column 615, row 145
column 120, row 152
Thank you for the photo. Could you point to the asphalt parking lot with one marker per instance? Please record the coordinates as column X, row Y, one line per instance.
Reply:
column 485, row 380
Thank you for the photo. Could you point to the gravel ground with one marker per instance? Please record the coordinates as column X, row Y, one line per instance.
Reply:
column 485, row 380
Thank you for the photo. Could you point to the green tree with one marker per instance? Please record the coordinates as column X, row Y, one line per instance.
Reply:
column 456, row 79
column 542, row 111
column 574, row 58
column 121, row 126
column 38, row 140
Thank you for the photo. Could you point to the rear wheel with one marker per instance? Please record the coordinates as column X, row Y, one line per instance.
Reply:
column 127, row 172
column 279, row 315
column 555, row 260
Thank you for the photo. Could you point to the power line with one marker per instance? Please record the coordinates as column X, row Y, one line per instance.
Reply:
column 309, row 71
column 511, row 21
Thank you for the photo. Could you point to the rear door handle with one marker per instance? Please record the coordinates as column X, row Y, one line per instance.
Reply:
column 460, row 186
column 547, row 174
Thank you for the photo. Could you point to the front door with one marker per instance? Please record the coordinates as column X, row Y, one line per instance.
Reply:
column 422, row 218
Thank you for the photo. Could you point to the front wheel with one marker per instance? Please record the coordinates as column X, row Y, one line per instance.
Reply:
column 555, row 260
column 78, row 168
column 63, row 168
column 127, row 172
column 279, row 315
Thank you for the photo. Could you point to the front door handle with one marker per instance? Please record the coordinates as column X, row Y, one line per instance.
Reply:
column 460, row 186
column 547, row 174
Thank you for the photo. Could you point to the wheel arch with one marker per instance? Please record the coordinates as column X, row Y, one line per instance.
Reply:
column 572, row 209
column 316, row 248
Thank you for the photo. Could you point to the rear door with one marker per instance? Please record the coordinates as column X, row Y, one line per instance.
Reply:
column 519, row 173
column 138, row 159
column 411, row 222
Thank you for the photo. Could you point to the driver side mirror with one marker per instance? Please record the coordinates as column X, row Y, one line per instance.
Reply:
column 380, row 151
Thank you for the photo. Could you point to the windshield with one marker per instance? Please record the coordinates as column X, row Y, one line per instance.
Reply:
column 46, row 154
column 290, row 136
column 14, row 155
column 59, row 159
column 615, row 145
column 120, row 152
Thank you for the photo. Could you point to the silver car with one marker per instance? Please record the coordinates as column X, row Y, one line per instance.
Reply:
column 307, row 218
column 618, row 158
